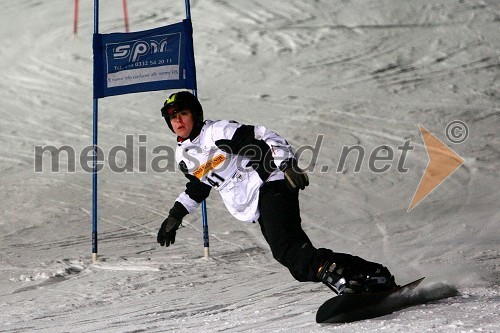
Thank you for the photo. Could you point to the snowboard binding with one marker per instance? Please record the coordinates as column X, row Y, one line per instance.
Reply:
column 356, row 279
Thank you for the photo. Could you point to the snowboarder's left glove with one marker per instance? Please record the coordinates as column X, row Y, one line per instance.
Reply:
column 166, row 234
column 296, row 177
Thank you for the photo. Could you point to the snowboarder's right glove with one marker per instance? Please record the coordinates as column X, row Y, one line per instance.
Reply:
column 166, row 234
column 296, row 177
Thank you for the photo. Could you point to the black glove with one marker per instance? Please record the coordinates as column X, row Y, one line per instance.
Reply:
column 295, row 176
column 166, row 234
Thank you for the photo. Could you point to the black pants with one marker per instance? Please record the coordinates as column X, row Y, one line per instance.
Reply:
column 280, row 223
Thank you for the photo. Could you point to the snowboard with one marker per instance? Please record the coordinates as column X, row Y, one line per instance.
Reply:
column 352, row 307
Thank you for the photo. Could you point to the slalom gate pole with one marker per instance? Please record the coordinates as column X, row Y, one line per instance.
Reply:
column 94, row 143
column 125, row 14
column 188, row 10
column 204, row 217
column 75, row 18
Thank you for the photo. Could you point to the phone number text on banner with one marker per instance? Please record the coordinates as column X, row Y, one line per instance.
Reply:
column 155, row 59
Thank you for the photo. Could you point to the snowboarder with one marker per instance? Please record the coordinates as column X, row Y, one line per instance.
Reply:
column 257, row 175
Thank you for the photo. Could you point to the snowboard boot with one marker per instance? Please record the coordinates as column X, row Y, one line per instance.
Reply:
column 331, row 275
column 355, row 279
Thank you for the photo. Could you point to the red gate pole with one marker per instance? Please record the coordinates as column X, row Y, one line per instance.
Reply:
column 125, row 14
column 75, row 19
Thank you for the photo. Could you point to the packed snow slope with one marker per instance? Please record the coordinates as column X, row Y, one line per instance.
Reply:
column 325, row 75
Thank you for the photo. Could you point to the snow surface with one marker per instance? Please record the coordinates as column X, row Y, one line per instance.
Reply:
column 357, row 72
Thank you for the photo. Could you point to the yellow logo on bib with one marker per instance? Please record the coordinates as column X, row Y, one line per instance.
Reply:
column 209, row 166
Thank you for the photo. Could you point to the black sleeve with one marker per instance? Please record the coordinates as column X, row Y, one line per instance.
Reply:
column 244, row 143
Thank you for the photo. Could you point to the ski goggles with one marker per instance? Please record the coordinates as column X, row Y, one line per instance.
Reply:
column 168, row 111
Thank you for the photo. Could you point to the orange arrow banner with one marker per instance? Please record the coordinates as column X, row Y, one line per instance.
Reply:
column 443, row 161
